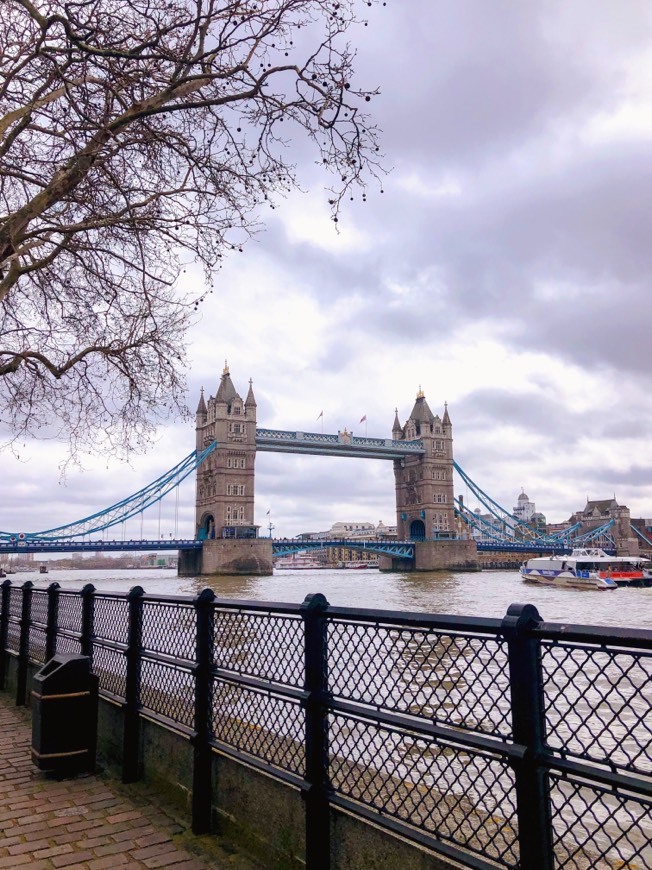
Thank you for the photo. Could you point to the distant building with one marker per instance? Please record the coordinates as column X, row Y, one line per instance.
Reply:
column 525, row 509
column 341, row 531
column 342, row 557
column 599, row 512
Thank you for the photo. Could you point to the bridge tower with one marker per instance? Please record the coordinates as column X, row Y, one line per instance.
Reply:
column 425, row 507
column 425, row 502
column 225, row 481
column 224, row 500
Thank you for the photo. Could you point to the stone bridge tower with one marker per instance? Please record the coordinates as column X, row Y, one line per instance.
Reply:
column 225, row 481
column 425, row 508
column 425, row 503
column 224, row 501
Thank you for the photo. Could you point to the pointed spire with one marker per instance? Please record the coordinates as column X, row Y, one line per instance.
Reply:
column 250, row 401
column 201, row 407
column 226, row 391
column 446, row 420
column 421, row 413
column 396, row 428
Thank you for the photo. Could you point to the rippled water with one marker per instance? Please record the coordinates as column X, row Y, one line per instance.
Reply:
column 487, row 593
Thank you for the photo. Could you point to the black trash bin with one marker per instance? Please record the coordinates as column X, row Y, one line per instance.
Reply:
column 64, row 715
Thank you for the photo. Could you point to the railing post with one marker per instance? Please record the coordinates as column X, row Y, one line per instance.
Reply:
column 202, row 771
column 52, row 625
column 529, row 730
column 317, row 750
column 23, row 644
column 131, row 732
column 4, row 632
column 87, row 620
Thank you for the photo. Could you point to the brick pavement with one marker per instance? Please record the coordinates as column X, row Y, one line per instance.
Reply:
column 87, row 822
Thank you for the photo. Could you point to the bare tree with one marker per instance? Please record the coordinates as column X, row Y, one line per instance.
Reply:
column 137, row 136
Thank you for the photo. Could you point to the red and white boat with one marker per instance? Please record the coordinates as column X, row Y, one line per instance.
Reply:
column 588, row 568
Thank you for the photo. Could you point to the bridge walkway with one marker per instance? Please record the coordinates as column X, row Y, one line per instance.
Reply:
column 89, row 822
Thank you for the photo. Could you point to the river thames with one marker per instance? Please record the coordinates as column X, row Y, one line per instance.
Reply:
column 486, row 593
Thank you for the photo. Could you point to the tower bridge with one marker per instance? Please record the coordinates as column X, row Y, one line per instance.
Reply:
column 434, row 528
column 421, row 451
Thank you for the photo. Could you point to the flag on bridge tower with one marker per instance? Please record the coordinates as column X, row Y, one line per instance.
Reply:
column 363, row 419
column 321, row 414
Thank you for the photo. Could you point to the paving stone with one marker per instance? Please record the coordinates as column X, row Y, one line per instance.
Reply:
column 85, row 822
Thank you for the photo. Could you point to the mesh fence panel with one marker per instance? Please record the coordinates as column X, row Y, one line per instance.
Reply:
column 15, row 602
column 110, row 665
column 260, row 723
column 598, row 827
column 168, row 690
column 264, row 645
column 39, row 611
column 70, row 611
column 66, row 644
column 459, row 795
column 169, row 628
column 13, row 636
column 449, row 679
column 597, row 704
column 111, row 618
column 36, row 644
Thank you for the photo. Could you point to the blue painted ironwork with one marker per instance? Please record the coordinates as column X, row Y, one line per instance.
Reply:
column 398, row 549
column 599, row 533
column 500, row 513
column 640, row 534
column 66, row 545
column 503, row 532
column 484, row 526
column 122, row 510
column 316, row 443
column 511, row 533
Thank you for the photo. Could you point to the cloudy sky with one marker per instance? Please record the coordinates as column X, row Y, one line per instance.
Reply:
column 504, row 269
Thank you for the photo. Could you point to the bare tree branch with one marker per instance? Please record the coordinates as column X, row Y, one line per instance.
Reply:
column 136, row 137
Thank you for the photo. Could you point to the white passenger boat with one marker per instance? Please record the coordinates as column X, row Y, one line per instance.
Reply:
column 299, row 562
column 588, row 568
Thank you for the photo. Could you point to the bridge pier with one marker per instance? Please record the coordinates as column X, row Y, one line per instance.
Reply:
column 220, row 556
column 445, row 555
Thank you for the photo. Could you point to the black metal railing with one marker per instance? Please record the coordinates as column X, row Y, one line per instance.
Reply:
column 498, row 743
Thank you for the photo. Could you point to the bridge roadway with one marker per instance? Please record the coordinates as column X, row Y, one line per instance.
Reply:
column 343, row 444
column 280, row 546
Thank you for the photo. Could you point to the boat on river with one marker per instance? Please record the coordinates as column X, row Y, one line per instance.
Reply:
column 588, row 568
column 299, row 562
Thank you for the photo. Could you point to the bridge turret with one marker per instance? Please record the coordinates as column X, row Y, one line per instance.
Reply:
column 446, row 420
column 397, row 429
column 250, row 401
column 201, row 416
